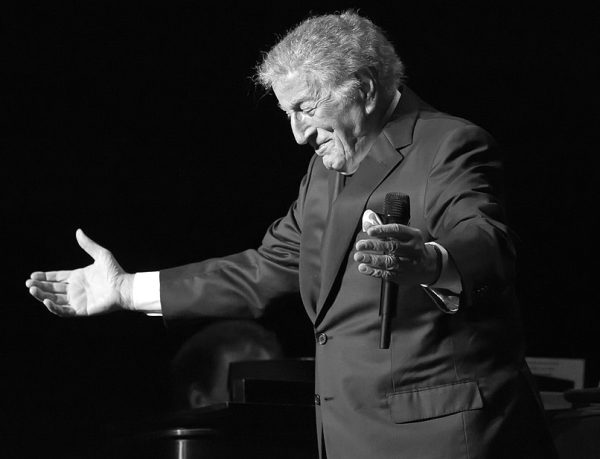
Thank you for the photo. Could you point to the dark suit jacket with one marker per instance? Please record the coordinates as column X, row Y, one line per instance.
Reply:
column 450, row 385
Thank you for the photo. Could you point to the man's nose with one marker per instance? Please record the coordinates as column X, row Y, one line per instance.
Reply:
column 301, row 128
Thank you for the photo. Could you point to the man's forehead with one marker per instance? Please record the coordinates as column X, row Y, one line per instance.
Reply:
column 293, row 89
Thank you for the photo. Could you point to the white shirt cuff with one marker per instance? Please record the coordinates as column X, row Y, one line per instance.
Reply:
column 146, row 293
column 449, row 278
column 445, row 292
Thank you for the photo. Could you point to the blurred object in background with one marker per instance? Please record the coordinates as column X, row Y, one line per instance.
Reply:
column 200, row 369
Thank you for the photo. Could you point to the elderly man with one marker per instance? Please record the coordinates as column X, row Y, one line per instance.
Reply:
column 453, row 382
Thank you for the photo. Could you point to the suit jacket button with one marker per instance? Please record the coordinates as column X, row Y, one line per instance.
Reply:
column 321, row 338
column 317, row 399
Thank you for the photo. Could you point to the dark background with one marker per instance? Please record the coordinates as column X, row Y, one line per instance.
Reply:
column 139, row 123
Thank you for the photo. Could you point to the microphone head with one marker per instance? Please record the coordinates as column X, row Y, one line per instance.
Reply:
column 396, row 208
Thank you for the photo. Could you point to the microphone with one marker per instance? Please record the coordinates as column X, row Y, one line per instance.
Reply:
column 396, row 209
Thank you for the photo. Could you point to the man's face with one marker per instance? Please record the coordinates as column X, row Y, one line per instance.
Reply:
column 335, row 128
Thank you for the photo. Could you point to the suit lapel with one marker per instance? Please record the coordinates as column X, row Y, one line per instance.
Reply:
column 346, row 210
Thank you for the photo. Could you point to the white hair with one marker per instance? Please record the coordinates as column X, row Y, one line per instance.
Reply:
column 329, row 50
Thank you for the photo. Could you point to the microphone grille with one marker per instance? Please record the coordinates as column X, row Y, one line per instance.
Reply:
column 397, row 206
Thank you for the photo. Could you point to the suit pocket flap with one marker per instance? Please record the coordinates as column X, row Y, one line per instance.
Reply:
column 432, row 402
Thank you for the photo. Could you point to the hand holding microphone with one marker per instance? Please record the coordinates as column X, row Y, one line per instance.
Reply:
column 396, row 253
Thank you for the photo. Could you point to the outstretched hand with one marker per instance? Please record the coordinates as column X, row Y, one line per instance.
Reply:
column 98, row 288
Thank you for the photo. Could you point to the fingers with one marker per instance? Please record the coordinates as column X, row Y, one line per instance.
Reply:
column 374, row 272
column 377, row 245
column 91, row 248
column 53, row 287
column 59, row 310
column 52, row 294
column 48, row 277
column 371, row 260
column 402, row 250
column 392, row 230
column 60, row 299
column 51, row 276
column 38, row 275
column 387, row 258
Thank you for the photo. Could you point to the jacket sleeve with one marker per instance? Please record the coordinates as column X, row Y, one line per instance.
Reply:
column 242, row 284
column 465, row 209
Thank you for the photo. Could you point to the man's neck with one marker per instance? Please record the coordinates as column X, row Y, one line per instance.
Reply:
column 382, row 114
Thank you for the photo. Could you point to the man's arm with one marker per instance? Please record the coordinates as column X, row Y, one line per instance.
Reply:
column 466, row 215
column 238, row 285
column 242, row 284
column 233, row 286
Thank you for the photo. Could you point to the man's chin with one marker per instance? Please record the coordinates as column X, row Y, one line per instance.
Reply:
column 338, row 166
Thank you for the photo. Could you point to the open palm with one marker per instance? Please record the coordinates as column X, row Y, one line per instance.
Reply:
column 98, row 288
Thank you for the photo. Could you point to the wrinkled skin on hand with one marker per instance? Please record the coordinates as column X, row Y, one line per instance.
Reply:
column 397, row 253
column 95, row 289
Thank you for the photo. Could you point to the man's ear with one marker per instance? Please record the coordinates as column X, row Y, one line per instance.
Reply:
column 196, row 396
column 368, row 87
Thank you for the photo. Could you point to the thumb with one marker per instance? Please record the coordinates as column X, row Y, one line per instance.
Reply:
column 91, row 248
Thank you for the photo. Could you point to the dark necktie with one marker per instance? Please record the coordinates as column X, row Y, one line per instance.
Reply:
column 340, row 182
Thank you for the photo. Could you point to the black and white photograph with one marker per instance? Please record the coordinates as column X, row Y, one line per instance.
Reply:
column 333, row 230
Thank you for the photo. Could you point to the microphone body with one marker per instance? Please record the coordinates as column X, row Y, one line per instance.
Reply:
column 396, row 209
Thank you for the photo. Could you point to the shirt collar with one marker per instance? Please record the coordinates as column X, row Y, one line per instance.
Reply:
column 392, row 107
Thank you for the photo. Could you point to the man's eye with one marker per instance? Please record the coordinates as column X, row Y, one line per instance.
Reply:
column 299, row 112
